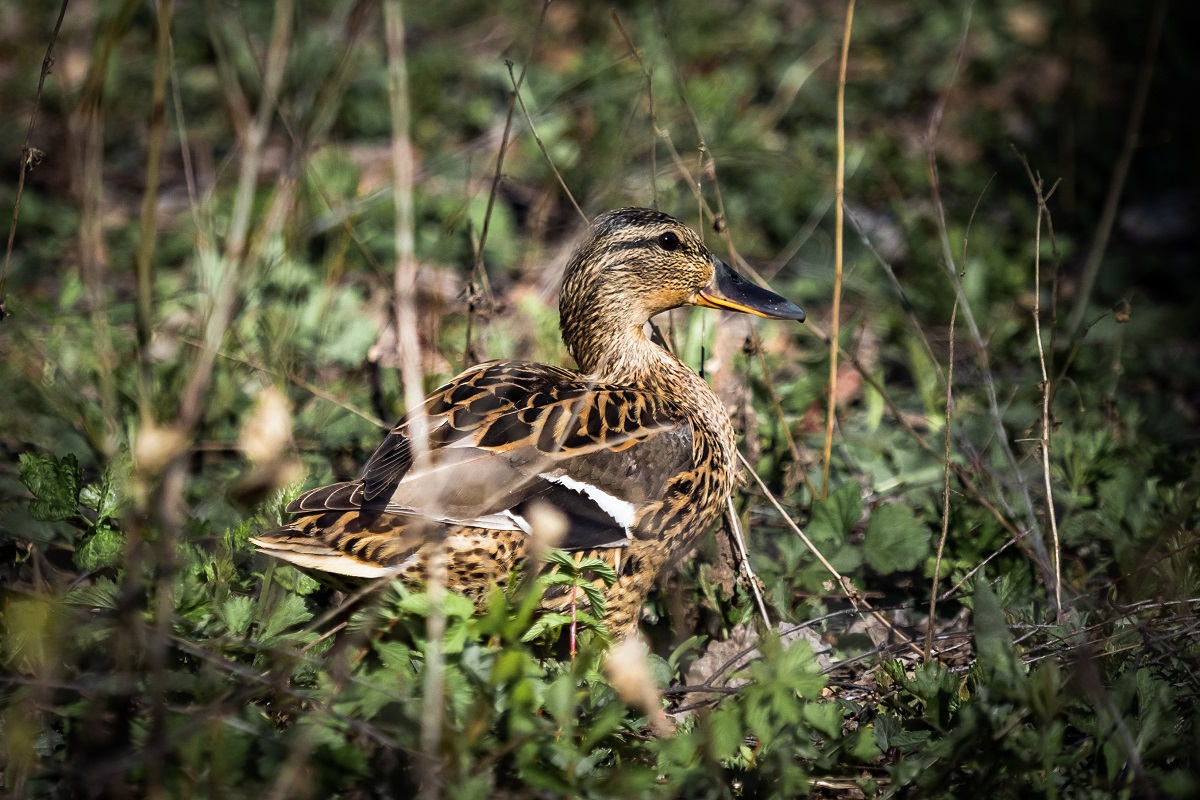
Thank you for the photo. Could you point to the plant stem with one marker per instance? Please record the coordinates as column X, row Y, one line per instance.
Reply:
column 838, row 221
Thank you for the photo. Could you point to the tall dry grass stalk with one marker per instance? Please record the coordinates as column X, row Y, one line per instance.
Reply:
column 1043, row 213
column 30, row 156
column 839, row 194
column 408, row 355
column 1116, row 184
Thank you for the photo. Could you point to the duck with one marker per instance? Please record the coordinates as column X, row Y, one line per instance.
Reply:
column 632, row 454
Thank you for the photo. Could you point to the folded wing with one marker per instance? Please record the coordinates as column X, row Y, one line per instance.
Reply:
column 504, row 436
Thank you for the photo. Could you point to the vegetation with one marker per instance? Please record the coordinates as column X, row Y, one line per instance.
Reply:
column 202, row 322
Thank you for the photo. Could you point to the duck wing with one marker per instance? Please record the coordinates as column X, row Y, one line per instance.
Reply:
column 504, row 436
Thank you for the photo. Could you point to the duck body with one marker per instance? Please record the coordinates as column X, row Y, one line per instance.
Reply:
column 634, row 453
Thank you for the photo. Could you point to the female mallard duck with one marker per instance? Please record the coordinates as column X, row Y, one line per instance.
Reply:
column 634, row 450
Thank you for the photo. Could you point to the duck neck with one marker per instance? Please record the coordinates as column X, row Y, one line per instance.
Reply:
column 623, row 356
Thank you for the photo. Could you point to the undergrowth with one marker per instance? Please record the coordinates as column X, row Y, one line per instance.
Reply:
column 147, row 650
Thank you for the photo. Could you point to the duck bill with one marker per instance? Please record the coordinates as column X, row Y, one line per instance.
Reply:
column 732, row 292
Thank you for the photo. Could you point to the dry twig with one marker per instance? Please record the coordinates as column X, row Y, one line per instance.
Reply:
column 29, row 156
column 408, row 347
column 735, row 531
column 1044, row 440
column 839, row 194
column 542, row 145
column 1091, row 266
column 846, row 586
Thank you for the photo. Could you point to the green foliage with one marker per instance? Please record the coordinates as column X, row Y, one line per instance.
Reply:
column 1034, row 731
column 146, row 650
column 60, row 494
column 895, row 541
column 579, row 576
column 56, row 485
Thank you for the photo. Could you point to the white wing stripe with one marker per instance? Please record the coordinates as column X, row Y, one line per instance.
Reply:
column 622, row 511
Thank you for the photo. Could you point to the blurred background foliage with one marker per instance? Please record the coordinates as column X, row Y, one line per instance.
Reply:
column 146, row 649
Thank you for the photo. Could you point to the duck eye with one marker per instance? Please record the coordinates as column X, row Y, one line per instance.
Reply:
column 668, row 241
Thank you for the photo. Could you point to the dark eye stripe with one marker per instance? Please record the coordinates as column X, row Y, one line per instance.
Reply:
column 642, row 244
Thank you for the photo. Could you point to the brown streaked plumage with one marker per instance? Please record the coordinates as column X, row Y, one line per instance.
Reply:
column 635, row 450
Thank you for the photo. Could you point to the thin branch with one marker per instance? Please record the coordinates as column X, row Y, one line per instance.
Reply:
column 541, row 145
column 1091, row 266
column 735, row 531
column 237, row 242
column 977, row 341
column 1012, row 540
column 905, row 304
column 937, row 562
column 845, row 584
column 408, row 351
column 648, row 74
column 777, row 407
column 966, row 481
column 164, row 601
column 30, row 157
column 838, row 222
column 1044, row 441
column 147, row 236
column 478, row 268
column 293, row 378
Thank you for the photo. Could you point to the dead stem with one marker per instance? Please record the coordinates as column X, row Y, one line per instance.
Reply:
column 839, row 193
column 237, row 242
column 147, row 237
column 1044, row 440
column 937, row 564
column 408, row 351
column 478, row 268
column 777, row 407
column 648, row 74
column 542, row 145
column 1039, row 547
column 144, row 264
column 293, row 378
column 735, row 532
column 87, row 125
column 1091, row 266
column 905, row 304
column 29, row 156
column 844, row 584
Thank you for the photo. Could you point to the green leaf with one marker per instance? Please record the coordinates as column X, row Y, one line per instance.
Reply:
column 560, row 698
column 725, row 732
column 294, row 580
column 102, row 594
column 453, row 605
column 290, row 611
column 835, row 516
column 103, row 548
column 396, row 657
column 595, row 598
column 689, row 645
column 101, row 497
column 544, row 624
column 824, row 717
column 583, row 569
column 660, row 670
column 236, row 614
column 862, row 745
column 993, row 640
column 55, row 485
column 895, row 541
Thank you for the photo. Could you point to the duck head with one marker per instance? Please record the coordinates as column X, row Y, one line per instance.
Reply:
column 637, row 262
